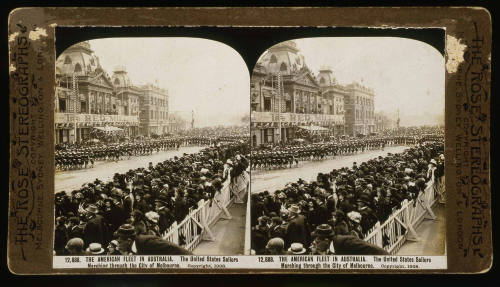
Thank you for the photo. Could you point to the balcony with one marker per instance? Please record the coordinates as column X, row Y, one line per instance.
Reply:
column 95, row 119
column 296, row 119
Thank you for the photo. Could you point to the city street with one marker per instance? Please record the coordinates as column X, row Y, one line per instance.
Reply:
column 104, row 170
column 272, row 180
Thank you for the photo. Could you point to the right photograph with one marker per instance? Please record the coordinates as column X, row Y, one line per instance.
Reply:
column 347, row 158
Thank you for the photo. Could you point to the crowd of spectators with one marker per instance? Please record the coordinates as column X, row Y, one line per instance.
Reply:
column 149, row 199
column 333, row 214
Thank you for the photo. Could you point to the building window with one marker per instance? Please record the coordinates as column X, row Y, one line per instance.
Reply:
column 267, row 104
column 273, row 59
column 78, row 68
column 283, row 67
column 62, row 105
column 322, row 80
column 288, row 106
column 83, row 107
column 67, row 60
column 117, row 81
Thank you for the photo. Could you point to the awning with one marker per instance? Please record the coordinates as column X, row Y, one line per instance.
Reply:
column 313, row 128
column 108, row 129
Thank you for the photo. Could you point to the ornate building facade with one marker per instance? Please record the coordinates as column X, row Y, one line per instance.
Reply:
column 87, row 98
column 287, row 97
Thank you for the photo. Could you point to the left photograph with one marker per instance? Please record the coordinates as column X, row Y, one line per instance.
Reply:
column 151, row 148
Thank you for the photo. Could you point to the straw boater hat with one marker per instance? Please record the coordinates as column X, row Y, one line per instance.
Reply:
column 297, row 248
column 152, row 216
column 95, row 248
column 354, row 216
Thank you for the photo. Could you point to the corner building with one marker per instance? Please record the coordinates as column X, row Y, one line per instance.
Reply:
column 87, row 98
column 287, row 97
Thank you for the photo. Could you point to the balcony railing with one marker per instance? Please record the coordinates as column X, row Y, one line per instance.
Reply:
column 70, row 118
column 267, row 117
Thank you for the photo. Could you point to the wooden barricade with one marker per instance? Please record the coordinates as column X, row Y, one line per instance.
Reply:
column 402, row 223
column 196, row 226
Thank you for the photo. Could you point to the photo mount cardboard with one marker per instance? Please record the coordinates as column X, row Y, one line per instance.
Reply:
column 32, row 37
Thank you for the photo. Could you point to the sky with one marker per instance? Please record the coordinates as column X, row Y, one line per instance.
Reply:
column 202, row 75
column 404, row 73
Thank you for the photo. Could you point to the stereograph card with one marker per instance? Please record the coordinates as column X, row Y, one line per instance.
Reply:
column 249, row 140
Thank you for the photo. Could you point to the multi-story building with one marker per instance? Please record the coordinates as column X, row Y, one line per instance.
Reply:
column 85, row 96
column 333, row 96
column 88, row 98
column 286, row 97
column 154, row 110
column 129, row 96
column 359, row 110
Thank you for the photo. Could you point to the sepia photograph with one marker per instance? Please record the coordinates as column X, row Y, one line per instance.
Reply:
column 275, row 140
column 151, row 148
column 347, row 137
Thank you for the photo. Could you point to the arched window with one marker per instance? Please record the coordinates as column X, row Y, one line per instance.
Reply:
column 283, row 67
column 273, row 59
column 67, row 60
column 78, row 68
column 117, row 81
column 322, row 80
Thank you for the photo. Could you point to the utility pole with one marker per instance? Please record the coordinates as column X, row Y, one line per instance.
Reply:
column 280, row 85
column 397, row 122
column 75, row 94
column 192, row 119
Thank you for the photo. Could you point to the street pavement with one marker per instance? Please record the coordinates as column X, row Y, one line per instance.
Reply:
column 272, row 180
column 432, row 235
column 229, row 234
column 104, row 170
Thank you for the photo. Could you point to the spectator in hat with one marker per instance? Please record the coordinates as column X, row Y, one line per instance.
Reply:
column 95, row 228
column 113, row 213
column 152, row 223
column 260, row 234
column 75, row 247
column 275, row 246
column 75, row 227
column 112, row 248
column 296, row 249
column 95, row 249
column 139, row 202
column 60, row 235
column 296, row 231
column 139, row 222
column 130, row 243
column 166, row 217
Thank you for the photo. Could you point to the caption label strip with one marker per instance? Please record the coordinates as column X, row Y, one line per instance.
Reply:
column 300, row 262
